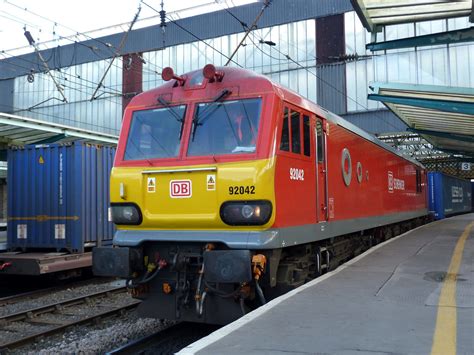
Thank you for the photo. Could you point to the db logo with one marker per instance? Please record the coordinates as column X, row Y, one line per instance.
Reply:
column 390, row 181
column 180, row 188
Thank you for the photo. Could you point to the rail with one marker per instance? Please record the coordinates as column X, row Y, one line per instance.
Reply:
column 64, row 309
column 29, row 295
column 169, row 340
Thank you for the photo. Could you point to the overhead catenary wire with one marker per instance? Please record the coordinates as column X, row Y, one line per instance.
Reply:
column 95, row 49
column 358, row 104
column 254, row 25
column 289, row 58
column 64, row 73
column 112, row 92
column 16, row 19
column 77, row 76
column 226, row 9
column 256, row 46
column 245, row 28
column 86, row 34
column 36, row 109
column 67, row 74
column 331, row 86
column 45, row 64
column 190, row 33
column 119, row 49
column 107, row 98
column 110, row 47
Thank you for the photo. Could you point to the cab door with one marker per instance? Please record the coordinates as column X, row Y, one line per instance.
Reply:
column 295, row 172
column 321, row 171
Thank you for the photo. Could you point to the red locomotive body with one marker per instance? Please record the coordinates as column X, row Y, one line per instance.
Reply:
column 354, row 178
column 210, row 223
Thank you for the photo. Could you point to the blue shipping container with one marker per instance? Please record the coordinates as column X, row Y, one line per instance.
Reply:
column 58, row 197
column 448, row 195
column 472, row 199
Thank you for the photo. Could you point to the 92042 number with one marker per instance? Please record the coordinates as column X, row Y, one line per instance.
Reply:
column 241, row 190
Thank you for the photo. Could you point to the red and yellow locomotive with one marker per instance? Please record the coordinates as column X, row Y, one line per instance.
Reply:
column 229, row 189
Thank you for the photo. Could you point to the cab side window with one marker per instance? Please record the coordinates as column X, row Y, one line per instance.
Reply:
column 295, row 132
column 306, row 136
column 285, row 133
column 320, row 141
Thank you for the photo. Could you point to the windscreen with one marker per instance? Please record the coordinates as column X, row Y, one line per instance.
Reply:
column 229, row 127
column 155, row 134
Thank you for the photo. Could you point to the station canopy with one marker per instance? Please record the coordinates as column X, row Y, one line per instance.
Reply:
column 19, row 130
column 442, row 115
column 375, row 14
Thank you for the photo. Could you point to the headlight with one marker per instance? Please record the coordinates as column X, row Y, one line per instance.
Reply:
column 246, row 213
column 126, row 213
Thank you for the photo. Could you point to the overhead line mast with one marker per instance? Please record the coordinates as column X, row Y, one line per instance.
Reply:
column 189, row 32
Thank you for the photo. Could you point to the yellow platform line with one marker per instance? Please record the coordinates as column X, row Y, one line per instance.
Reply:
column 444, row 338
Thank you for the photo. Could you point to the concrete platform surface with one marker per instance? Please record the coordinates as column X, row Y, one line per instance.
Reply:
column 400, row 297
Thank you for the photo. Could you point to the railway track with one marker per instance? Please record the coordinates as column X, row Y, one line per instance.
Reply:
column 166, row 341
column 20, row 328
column 30, row 295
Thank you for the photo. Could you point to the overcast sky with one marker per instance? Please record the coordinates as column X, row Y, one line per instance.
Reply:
column 73, row 16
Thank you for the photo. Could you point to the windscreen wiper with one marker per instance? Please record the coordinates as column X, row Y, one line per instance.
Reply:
column 198, row 121
column 173, row 112
column 222, row 95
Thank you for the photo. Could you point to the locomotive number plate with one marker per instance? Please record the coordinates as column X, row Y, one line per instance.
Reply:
column 241, row 190
column 296, row 174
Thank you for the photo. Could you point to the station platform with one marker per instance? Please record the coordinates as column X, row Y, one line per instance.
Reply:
column 413, row 294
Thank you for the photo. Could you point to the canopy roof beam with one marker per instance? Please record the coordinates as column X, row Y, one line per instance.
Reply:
column 375, row 14
column 24, row 130
column 457, row 36
column 442, row 105
column 443, row 115
column 442, row 134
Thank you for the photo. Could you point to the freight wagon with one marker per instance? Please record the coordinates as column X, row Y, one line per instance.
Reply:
column 448, row 195
column 3, row 213
column 58, row 198
column 472, row 199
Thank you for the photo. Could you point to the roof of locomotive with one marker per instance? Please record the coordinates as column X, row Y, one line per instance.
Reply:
column 250, row 82
column 247, row 81
column 295, row 98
